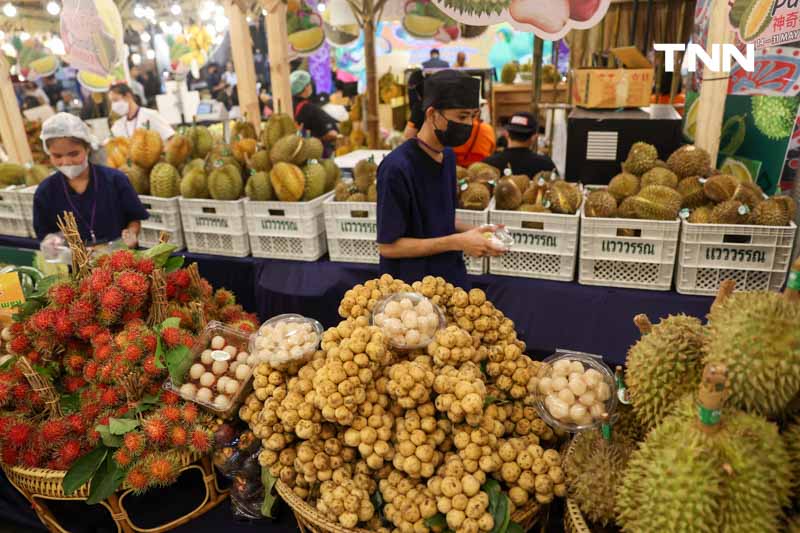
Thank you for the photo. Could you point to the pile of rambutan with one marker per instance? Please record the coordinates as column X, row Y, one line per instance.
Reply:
column 55, row 443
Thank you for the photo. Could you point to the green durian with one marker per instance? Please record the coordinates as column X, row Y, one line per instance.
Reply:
column 565, row 198
column 259, row 187
column 659, row 176
column 623, row 185
column 225, row 183
column 315, row 181
column 278, row 126
column 165, row 182
column 774, row 116
column 192, row 165
column 332, row 173
column 665, row 364
column 259, row 161
column 36, row 173
column 195, row 184
column 509, row 73
column 720, row 187
column 201, row 140
column 594, row 467
column 342, row 191
column 657, row 202
column 732, row 478
column 137, row 176
column 288, row 149
column 12, row 174
column 692, row 193
column 730, row 212
column 770, row 213
column 627, row 209
column 288, row 182
column 312, row 149
column 688, row 161
column 475, row 197
column 641, row 158
column 701, row 215
column 600, row 204
column 756, row 335
column 748, row 193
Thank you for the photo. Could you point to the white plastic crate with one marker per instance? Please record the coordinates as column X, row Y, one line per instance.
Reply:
column 10, row 206
column 545, row 245
column 756, row 257
column 352, row 231
column 622, row 252
column 294, row 248
column 475, row 265
column 165, row 213
column 148, row 237
column 230, row 244
column 213, row 216
column 287, row 209
column 14, row 226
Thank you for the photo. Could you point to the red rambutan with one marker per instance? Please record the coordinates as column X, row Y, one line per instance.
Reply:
column 103, row 352
column 127, row 316
column 81, row 311
column 146, row 266
column 63, row 327
column 19, row 434
column 90, row 370
column 43, row 320
column 172, row 289
column 224, row 297
column 121, row 260
column 190, row 413
column 9, row 455
column 178, row 436
column 20, row 392
column 200, row 441
column 134, row 443
column 181, row 278
column 170, row 413
column 110, row 397
column 105, row 373
column 112, row 300
column 32, row 456
column 133, row 283
column 88, row 331
column 155, row 429
column 73, row 383
column 54, row 429
column 62, row 294
column 184, row 297
column 132, row 353
column 150, row 367
column 100, row 280
column 5, row 393
column 153, row 389
column 90, row 412
column 171, row 336
column 20, row 344
column 17, row 328
column 74, row 363
column 162, row 469
column 149, row 341
column 76, row 424
column 68, row 453
column 101, row 338
column 123, row 458
column 169, row 398
column 137, row 480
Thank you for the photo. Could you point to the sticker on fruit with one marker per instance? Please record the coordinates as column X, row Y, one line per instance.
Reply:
column 547, row 19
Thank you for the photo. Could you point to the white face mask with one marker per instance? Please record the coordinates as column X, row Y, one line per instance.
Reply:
column 120, row 107
column 73, row 171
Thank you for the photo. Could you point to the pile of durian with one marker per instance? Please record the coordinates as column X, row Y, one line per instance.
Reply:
column 685, row 185
column 363, row 187
column 280, row 165
column 516, row 192
column 711, row 440
column 392, row 441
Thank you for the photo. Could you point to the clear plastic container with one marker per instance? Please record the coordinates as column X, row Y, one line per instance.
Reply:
column 499, row 237
column 207, row 354
column 277, row 341
column 399, row 316
column 593, row 391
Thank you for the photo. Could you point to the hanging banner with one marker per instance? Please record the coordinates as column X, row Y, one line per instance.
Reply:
column 423, row 20
column 304, row 27
column 547, row 19
column 92, row 34
column 766, row 23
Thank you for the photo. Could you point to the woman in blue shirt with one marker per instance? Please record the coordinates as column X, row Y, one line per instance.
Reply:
column 105, row 205
column 418, row 234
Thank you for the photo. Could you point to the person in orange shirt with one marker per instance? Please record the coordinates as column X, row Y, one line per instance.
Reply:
column 481, row 144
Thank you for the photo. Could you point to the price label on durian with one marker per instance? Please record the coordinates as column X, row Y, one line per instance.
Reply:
column 92, row 34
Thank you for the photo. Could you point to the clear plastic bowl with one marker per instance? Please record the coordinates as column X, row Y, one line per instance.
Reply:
column 501, row 238
column 553, row 369
column 399, row 326
column 302, row 353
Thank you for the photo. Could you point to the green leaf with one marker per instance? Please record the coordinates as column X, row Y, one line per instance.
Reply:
column 160, row 253
column 48, row 370
column 106, row 481
column 30, row 306
column 436, row 521
column 121, row 426
column 8, row 363
column 179, row 359
column 44, row 285
column 489, row 400
column 498, row 506
column 83, row 469
column 483, row 367
column 70, row 403
column 112, row 441
column 513, row 527
column 174, row 263
column 171, row 322
column 269, row 499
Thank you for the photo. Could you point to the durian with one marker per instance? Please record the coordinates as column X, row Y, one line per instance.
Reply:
column 660, row 176
column 600, row 204
column 358, row 197
column 522, row 181
column 594, row 466
column 475, row 197
column 627, row 208
column 146, row 147
column 507, row 195
column 342, row 192
column 372, row 193
column 315, row 181
column 195, row 184
column 164, row 181
column 756, row 335
column 242, row 149
column 225, row 183
column 332, row 174
column 365, row 169
column 36, row 173
column 483, row 172
column 774, row 116
column 730, row 212
column 509, row 73
column 623, row 185
column 700, row 215
column 178, row 150
column 696, row 473
column 201, row 140
column 288, row 149
column 243, row 129
column 565, row 198
column 788, row 203
column 748, row 193
column 534, row 208
column 137, row 176
column 692, row 193
column 259, row 187
column 688, row 161
column 192, row 165
column 278, row 126
column 461, row 173
column 641, row 158
column 288, row 182
column 657, row 202
column 665, row 364
column 720, row 187
column 312, row 149
column 536, row 193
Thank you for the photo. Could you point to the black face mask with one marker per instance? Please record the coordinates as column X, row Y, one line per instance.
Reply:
column 456, row 133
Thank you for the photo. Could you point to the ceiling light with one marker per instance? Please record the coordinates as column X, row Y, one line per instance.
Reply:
column 151, row 54
column 24, row 36
column 136, row 59
column 9, row 10
column 53, row 8
column 175, row 9
column 145, row 37
column 321, row 7
column 138, row 11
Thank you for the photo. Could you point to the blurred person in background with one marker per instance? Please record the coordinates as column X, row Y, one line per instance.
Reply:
column 461, row 60
column 434, row 61
column 133, row 116
column 522, row 135
column 136, row 86
column 32, row 92
column 52, row 88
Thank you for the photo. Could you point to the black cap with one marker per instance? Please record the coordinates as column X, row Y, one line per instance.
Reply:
column 451, row 89
column 522, row 123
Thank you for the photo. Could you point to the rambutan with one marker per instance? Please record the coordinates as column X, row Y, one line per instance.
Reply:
column 90, row 370
column 149, row 341
column 171, row 336
column 5, row 393
column 19, row 434
column 184, row 297
column 103, row 352
column 146, row 266
column 132, row 353
column 170, row 413
column 32, row 455
column 155, row 429
column 74, row 363
column 19, row 344
column 76, row 424
column 181, row 278
column 172, row 289
column 133, row 283
column 20, row 392
column 110, row 397
column 99, row 280
column 9, row 455
column 73, row 383
column 54, row 429
column 137, row 479
column 105, row 373
column 169, row 398
column 150, row 367
column 123, row 458
column 127, row 316
column 224, row 297
column 62, row 294
column 90, row 411
column 42, row 320
column 112, row 300
column 153, row 388
column 62, row 326
column 121, row 369
column 200, row 441
column 178, row 436
column 163, row 469
column 102, row 338
column 121, row 260
column 134, row 443
column 88, row 331
column 17, row 328
column 68, row 453
column 190, row 413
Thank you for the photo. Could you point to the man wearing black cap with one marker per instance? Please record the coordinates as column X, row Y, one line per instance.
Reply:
column 522, row 129
column 434, row 61
column 418, row 234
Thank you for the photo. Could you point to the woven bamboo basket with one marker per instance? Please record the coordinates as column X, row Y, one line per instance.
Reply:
column 574, row 522
column 312, row 521
column 41, row 484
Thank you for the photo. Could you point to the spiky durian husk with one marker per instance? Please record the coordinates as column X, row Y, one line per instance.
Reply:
column 791, row 436
column 663, row 366
column 594, row 469
column 682, row 479
column 626, row 423
column 756, row 335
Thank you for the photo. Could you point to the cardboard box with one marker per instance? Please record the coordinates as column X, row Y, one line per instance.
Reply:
column 611, row 88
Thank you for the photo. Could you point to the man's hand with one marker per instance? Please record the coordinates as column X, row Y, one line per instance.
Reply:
column 474, row 242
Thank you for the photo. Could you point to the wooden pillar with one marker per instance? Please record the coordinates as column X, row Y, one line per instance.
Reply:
column 714, row 88
column 12, row 127
column 538, row 47
column 373, row 125
column 242, row 53
column 278, row 45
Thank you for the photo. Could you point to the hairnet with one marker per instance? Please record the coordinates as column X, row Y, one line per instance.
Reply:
column 299, row 80
column 63, row 125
